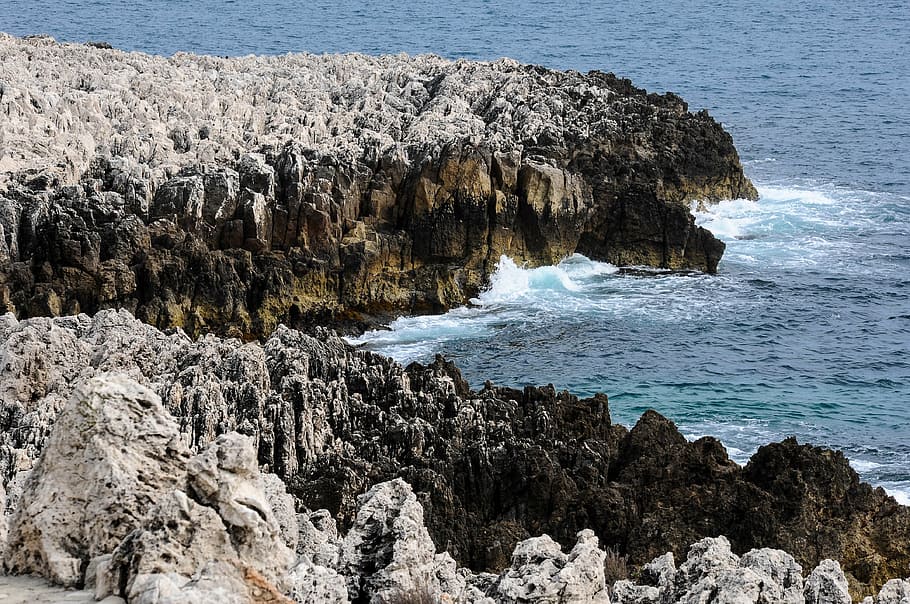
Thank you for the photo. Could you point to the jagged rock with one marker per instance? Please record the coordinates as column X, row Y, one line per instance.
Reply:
column 225, row 477
column 660, row 571
column 111, row 452
column 329, row 187
column 490, row 467
column 223, row 516
column 541, row 573
column 310, row 582
column 388, row 550
column 318, row 539
column 827, row 585
column 759, row 576
column 895, row 591
column 283, row 508
column 4, row 527
column 626, row 592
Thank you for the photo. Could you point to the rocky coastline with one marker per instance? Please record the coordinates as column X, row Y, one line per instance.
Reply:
column 179, row 422
column 490, row 469
column 231, row 195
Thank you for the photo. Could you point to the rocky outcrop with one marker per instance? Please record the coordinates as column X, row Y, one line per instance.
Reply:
column 201, row 528
column 490, row 468
column 229, row 195
column 115, row 501
column 112, row 452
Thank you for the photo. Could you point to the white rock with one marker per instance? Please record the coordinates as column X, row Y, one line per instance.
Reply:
column 318, row 538
column 282, row 504
column 388, row 551
column 540, row 572
column 827, row 585
column 226, row 478
column 895, row 591
column 308, row 582
column 111, row 453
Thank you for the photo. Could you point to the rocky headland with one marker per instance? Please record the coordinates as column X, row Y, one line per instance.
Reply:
column 183, row 441
column 231, row 195
column 489, row 469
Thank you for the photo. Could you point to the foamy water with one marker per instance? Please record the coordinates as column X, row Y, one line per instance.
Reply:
column 803, row 331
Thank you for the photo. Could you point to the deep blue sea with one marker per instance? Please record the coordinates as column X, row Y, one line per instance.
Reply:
column 805, row 331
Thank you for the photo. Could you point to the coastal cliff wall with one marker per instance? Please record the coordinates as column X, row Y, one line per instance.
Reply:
column 229, row 195
column 490, row 467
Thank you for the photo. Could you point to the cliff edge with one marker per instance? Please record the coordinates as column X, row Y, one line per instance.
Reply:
column 230, row 195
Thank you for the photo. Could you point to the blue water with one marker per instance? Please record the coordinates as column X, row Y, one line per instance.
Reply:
column 806, row 328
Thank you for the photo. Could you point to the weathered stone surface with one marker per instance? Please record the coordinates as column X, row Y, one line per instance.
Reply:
column 388, row 550
column 895, row 591
column 712, row 572
column 283, row 508
column 245, row 192
column 308, row 582
column 827, row 585
column 112, row 451
column 541, row 573
column 490, row 467
column 224, row 517
column 225, row 477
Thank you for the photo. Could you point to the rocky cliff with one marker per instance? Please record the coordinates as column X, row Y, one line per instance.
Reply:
column 230, row 195
column 490, row 468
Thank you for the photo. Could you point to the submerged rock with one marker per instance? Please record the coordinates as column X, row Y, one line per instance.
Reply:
column 490, row 468
column 246, row 192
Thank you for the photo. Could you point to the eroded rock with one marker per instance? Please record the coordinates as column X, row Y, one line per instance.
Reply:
column 374, row 185
column 490, row 468
column 112, row 451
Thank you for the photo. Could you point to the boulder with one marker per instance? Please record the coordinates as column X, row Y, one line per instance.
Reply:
column 388, row 550
column 540, row 572
column 827, row 585
column 895, row 591
column 222, row 516
column 112, row 451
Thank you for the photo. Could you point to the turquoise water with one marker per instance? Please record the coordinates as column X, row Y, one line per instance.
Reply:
column 806, row 328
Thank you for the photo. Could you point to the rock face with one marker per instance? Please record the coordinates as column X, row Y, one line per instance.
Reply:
column 112, row 452
column 116, row 502
column 230, row 195
column 491, row 467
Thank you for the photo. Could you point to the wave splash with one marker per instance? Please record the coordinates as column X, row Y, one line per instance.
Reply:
column 811, row 289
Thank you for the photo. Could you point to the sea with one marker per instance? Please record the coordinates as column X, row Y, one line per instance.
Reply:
column 804, row 330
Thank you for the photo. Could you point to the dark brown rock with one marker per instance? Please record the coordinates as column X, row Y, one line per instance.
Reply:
column 491, row 467
column 432, row 171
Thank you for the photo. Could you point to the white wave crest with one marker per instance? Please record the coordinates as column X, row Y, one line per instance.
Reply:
column 511, row 282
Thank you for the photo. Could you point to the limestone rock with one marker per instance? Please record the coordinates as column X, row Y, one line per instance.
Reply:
column 329, row 187
column 540, row 572
column 309, row 582
column 225, row 477
column 283, row 508
column 827, row 585
column 626, row 592
column 759, row 576
column 318, row 539
column 388, row 550
column 491, row 467
column 112, row 451
column 895, row 591
column 224, row 516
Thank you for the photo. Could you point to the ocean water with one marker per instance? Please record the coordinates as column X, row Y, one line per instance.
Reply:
column 804, row 331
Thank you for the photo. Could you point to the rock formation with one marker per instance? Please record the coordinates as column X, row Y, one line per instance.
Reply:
column 229, row 195
column 116, row 502
column 490, row 468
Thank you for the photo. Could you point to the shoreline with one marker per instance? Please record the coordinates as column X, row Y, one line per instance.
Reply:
column 424, row 422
